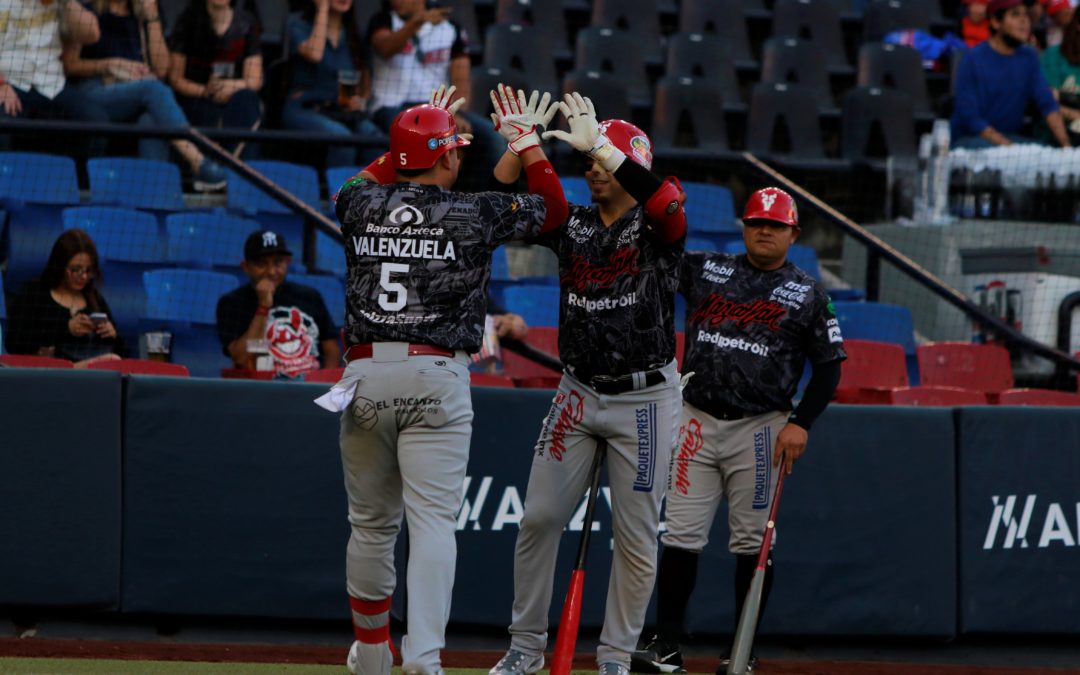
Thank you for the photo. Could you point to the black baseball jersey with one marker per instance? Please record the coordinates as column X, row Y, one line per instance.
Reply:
column 749, row 332
column 419, row 259
column 617, row 286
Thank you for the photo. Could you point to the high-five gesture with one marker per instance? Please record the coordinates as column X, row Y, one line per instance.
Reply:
column 585, row 133
column 513, row 120
column 541, row 108
column 441, row 98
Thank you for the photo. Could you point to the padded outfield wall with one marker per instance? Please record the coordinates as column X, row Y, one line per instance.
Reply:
column 214, row 497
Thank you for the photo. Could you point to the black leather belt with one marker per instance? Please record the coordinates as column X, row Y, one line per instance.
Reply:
column 606, row 384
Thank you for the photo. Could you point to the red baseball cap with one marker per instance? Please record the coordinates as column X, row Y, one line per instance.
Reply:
column 1055, row 6
column 996, row 6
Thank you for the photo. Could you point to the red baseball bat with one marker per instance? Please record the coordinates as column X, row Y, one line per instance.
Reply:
column 566, row 640
column 744, row 634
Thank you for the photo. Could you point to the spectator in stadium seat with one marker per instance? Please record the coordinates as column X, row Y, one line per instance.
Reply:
column 1058, row 14
column 121, row 73
column 974, row 25
column 217, row 66
column 1061, row 66
column 32, row 82
column 62, row 314
column 414, row 51
column 291, row 317
column 997, row 79
column 324, row 42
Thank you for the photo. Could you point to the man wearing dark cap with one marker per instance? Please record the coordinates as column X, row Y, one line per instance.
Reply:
column 997, row 80
column 292, row 318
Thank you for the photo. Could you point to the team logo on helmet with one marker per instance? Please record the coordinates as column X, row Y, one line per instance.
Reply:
column 639, row 145
column 768, row 199
column 406, row 214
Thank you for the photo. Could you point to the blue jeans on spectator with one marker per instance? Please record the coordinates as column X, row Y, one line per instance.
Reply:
column 68, row 104
column 128, row 101
column 295, row 115
column 242, row 111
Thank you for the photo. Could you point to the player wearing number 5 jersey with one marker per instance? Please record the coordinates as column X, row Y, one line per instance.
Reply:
column 618, row 265
column 418, row 258
column 752, row 320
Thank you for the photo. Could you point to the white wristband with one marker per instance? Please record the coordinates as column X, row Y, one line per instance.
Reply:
column 524, row 142
column 605, row 152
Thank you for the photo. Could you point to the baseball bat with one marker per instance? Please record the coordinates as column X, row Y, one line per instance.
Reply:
column 566, row 640
column 744, row 634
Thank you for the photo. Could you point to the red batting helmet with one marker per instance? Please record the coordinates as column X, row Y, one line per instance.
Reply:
column 631, row 140
column 772, row 203
column 420, row 135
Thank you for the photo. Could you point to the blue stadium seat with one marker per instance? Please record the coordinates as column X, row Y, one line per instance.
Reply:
column 331, row 290
column 246, row 199
column 576, row 190
column 803, row 257
column 877, row 321
column 329, row 255
column 213, row 239
column 128, row 244
column 38, row 178
column 500, row 275
column 184, row 302
column 34, row 188
column 3, row 306
column 537, row 304
column 140, row 183
column 336, row 177
column 710, row 212
column 700, row 244
column 185, row 295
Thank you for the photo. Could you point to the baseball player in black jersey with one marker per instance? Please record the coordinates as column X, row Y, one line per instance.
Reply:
column 418, row 259
column 752, row 320
column 618, row 267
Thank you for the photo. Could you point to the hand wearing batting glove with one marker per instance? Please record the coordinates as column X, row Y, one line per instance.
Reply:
column 512, row 120
column 440, row 98
column 585, row 133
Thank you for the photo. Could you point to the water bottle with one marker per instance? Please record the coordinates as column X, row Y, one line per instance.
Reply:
column 939, row 197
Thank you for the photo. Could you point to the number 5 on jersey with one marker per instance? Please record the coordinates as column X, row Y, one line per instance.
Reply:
column 393, row 300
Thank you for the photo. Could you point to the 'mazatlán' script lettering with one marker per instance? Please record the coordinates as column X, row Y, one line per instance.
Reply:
column 582, row 272
column 717, row 309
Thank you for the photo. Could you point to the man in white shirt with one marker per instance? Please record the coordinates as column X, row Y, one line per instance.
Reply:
column 414, row 51
column 32, row 83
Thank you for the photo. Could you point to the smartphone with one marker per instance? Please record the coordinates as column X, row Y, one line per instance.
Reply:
column 99, row 318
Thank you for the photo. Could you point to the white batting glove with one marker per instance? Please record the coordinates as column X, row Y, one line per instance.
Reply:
column 440, row 98
column 541, row 108
column 585, row 133
column 512, row 121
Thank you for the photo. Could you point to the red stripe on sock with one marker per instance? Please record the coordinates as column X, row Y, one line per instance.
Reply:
column 369, row 607
column 373, row 636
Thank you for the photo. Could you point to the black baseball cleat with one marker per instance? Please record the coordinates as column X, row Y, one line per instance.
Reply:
column 725, row 661
column 657, row 657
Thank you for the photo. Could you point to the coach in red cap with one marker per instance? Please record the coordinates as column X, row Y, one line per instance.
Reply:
column 997, row 80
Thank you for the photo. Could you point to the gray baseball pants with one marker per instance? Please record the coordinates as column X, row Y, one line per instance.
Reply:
column 404, row 449
column 639, row 427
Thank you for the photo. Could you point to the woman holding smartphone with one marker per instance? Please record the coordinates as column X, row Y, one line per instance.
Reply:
column 62, row 314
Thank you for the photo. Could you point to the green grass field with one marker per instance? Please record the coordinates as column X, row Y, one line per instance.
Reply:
column 11, row 666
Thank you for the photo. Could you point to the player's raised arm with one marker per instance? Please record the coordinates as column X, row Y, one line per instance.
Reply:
column 662, row 199
column 516, row 121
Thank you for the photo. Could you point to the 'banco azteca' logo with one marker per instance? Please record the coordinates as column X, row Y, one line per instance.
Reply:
column 406, row 214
